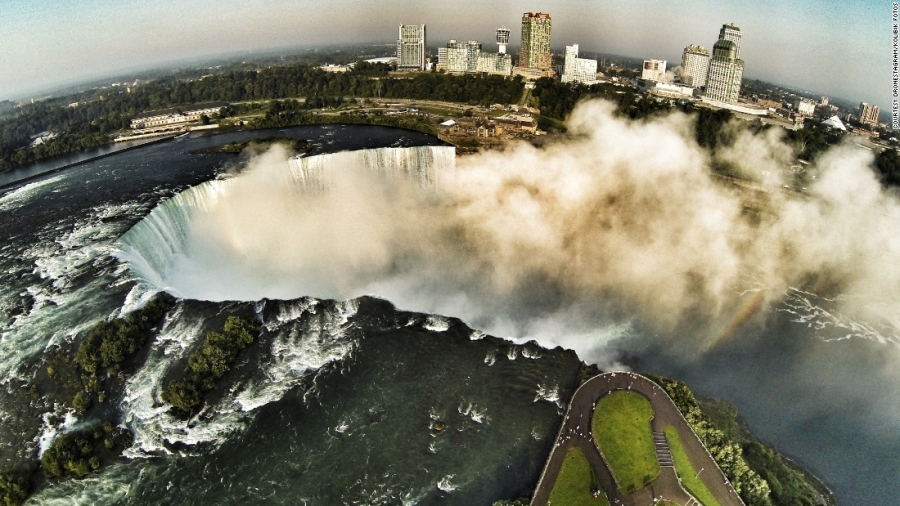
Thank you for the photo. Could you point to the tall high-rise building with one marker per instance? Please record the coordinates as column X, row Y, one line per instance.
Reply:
column 694, row 66
column 654, row 70
column 535, row 50
column 578, row 70
column 731, row 32
column 502, row 39
column 868, row 114
column 725, row 72
column 442, row 59
column 411, row 47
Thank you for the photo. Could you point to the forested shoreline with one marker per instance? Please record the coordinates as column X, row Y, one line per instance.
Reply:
column 292, row 94
column 91, row 118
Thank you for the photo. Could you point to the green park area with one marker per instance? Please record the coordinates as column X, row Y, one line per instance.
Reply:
column 690, row 477
column 622, row 430
column 575, row 483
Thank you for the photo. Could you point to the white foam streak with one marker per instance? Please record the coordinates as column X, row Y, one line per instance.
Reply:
column 21, row 196
column 305, row 337
column 548, row 393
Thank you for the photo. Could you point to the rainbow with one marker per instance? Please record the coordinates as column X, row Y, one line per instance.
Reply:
column 745, row 312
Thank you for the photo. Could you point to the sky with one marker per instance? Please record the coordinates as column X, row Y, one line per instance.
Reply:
column 838, row 48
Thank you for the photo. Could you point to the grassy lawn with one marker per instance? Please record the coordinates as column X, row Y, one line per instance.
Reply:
column 622, row 430
column 693, row 483
column 575, row 481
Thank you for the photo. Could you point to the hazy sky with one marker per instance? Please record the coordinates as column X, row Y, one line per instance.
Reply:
column 841, row 48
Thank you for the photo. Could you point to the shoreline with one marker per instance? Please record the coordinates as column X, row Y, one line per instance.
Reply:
column 28, row 179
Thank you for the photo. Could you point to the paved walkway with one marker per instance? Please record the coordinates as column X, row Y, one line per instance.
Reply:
column 576, row 432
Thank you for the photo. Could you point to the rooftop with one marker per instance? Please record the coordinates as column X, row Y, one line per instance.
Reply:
column 179, row 109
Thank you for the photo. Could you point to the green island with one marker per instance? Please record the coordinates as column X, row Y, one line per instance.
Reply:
column 95, row 370
column 576, row 483
column 256, row 146
column 102, row 361
column 14, row 487
column 621, row 426
column 208, row 364
column 80, row 453
column 689, row 476
column 103, row 356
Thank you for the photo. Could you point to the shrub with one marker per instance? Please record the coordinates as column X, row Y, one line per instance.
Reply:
column 82, row 402
column 14, row 488
column 79, row 453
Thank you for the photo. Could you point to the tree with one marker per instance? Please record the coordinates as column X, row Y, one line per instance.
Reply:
column 887, row 164
column 14, row 488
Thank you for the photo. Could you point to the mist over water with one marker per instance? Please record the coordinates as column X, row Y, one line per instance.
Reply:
column 617, row 243
column 618, row 240
column 624, row 218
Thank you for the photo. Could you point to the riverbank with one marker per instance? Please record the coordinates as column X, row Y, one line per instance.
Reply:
column 44, row 173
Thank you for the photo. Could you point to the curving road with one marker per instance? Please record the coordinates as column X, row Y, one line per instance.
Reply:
column 576, row 432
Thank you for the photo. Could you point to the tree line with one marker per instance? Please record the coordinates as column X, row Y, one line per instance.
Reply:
column 759, row 474
column 100, row 113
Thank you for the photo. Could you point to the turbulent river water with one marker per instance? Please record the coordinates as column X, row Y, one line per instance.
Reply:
column 338, row 402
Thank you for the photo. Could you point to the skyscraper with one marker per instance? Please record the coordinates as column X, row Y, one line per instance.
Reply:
column 733, row 33
column 868, row 114
column 535, row 50
column 725, row 72
column 411, row 47
column 580, row 70
column 694, row 66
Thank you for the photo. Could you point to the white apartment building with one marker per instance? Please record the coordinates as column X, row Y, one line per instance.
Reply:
column 868, row 114
column 578, row 70
column 459, row 57
column 654, row 70
column 411, row 48
column 731, row 32
column 725, row 72
column 694, row 66
column 495, row 63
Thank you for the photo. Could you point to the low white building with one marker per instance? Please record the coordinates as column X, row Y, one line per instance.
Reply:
column 654, row 70
column 835, row 122
column 175, row 116
column 670, row 90
column 336, row 68
column 805, row 107
column 388, row 60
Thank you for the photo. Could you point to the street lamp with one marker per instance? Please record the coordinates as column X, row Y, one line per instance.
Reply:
column 698, row 473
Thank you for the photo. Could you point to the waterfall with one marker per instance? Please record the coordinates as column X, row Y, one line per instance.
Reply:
column 418, row 163
column 266, row 232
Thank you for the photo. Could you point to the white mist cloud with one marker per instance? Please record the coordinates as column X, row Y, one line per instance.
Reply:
column 621, row 222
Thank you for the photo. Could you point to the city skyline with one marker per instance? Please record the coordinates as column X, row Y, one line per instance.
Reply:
column 797, row 45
